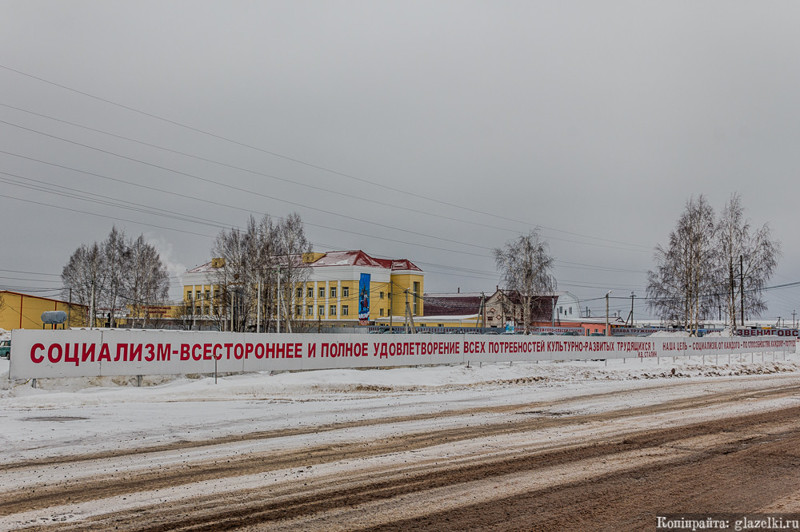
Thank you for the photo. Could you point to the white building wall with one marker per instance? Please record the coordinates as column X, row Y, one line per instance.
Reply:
column 568, row 307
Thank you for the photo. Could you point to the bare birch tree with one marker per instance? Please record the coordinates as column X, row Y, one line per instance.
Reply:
column 117, row 271
column 525, row 265
column 683, row 287
column 257, row 261
column 146, row 281
column 748, row 259
column 85, row 275
column 114, row 249
column 262, row 247
column 234, row 278
column 292, row 244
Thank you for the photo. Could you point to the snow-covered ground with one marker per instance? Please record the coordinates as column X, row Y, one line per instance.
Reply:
column 205, row 440
column 80, row 415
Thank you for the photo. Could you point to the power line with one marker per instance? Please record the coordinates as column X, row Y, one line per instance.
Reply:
column 106, row 200
column 220, row 225
column 40, row 203
column 186, row 196
column 715, row 294
column 267, row 196
column 304, row 163
column 311, row 165
column 262, row 174
column 237, row 188
column 27, row 279
column 30, row 273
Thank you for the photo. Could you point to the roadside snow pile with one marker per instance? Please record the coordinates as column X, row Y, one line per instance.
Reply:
column 401, row 380
column 685, row 334
column 722, row 370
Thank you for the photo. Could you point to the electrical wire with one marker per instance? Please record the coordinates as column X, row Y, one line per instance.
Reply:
column 304, row 163
column 240, row 189
column 220, row 225
column 272, row 176
column 297, row 161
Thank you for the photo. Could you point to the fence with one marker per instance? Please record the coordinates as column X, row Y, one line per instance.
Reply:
column 78, row 353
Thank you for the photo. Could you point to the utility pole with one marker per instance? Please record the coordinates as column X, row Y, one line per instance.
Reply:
column 409, row 316
column 288, row 317
column 630, row 316
column 258, row 304
column 482, row 311
column 732, row 301
column 92, row 309
column 407, row 311
column 741, row 284
column 279, row 300
column 608, row 333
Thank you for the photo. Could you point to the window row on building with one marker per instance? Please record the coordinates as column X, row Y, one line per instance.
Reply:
column 329, row 290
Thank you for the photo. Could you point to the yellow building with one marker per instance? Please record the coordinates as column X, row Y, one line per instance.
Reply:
column 330, row 292
column 23, row 311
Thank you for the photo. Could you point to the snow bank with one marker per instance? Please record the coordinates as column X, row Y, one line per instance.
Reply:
column 411, row 379
column 81, row 415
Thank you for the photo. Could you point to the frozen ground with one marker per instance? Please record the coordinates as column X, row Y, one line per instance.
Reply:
column 406, row 447
column 98, row 413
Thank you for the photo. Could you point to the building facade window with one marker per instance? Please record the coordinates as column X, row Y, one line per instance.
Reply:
column 332, row 310
column 381, row 312
column 333, row 292
column 345, row 308
column 321, row 310
column 299, row 293
column 309, row 310
column 310, row 293
column 380, row 295
column 345, row 291
column 322, row 293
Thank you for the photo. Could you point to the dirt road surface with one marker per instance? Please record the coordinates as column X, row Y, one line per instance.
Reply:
column 602, row 461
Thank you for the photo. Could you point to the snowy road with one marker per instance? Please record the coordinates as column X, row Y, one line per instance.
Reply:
column 551, row 446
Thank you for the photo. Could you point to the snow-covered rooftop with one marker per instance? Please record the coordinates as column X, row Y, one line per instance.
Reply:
column 341, row 258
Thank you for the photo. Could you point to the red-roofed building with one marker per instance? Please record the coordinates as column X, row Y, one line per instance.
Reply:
column 330, row 293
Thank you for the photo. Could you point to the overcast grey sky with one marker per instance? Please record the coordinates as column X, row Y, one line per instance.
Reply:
column 432, row 131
